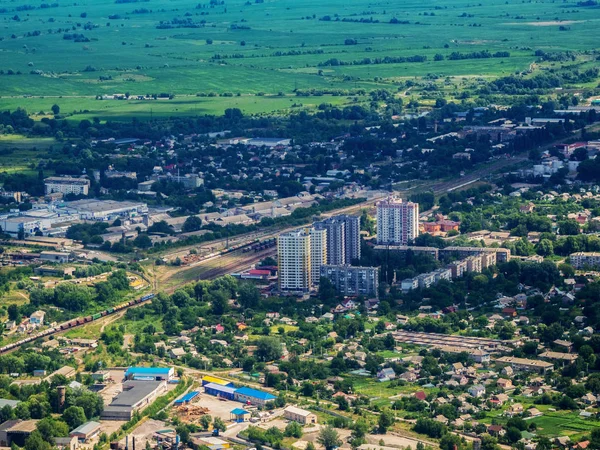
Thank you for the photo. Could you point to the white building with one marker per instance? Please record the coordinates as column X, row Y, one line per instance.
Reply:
column 582, row 259
column 409, row 284
column 397, row 221
column 102, row 209
column 67, row 185
column 294, row 261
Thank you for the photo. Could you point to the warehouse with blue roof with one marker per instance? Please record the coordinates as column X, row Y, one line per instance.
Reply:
column 243, row 394
column 253, row 396
column 150, row 373
column 218, row 390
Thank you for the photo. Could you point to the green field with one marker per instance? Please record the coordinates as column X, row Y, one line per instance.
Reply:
column 186, row 47
column 20, row 154
column 87, row 107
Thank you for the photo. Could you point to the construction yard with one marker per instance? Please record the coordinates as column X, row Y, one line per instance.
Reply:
column 204, row 404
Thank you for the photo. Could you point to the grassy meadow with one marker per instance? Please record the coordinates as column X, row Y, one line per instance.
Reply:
column 184, row 47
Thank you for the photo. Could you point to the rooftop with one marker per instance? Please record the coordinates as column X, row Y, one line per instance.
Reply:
column 133, row 392
column 255, row 393
column 221, row 388
column 86, row 428
column 147, row 370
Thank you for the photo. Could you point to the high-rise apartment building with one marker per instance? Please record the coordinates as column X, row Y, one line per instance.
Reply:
column 294, row 261
column 318, row 253
column 397, row 221
column 343, row 238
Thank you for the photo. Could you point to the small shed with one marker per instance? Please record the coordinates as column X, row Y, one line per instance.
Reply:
column 238, row 415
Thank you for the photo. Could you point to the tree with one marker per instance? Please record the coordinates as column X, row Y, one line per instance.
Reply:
column 192, row 223
column 568, row 227
column 293, row 429
column 545, row 444
column 545, row 247
column 36, row 442
column 55, row 109
column 513, row 434
column 205, row 421
column 329, row 438
column 385, row 421
column 142, row 241
column 567, row 270
column 248, row 295
column 268, row 349
column 74, row 416
column 219, row 302
column 327, row 290
column 218, row 424
column 91, row 403
column 50, row 428
column 449, row 441
column 13, row 312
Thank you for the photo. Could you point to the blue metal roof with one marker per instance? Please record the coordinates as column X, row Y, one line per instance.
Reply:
column 255, row 393
column 187, row 397
column 147, row 370
column 220, row 388
column 239, row 412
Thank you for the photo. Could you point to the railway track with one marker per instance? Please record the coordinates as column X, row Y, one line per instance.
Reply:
column 77, row 322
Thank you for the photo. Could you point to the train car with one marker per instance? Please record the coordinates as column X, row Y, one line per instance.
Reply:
column 96, row 316
column 147, row 297
column 110, row 310
column 88, row 319
column 103, row 313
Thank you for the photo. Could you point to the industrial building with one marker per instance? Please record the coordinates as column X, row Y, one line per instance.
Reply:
column 136, row 395
column 299, row 415
column 210, row 379
column 102, row 210
column 6, row 402
column 221, row 391
column 55, row 257
column 253, row 396
column 353, row 281
column 16, row 431
column 243, row 394
column 150, row 373
column 85, row 432
column 397, row 221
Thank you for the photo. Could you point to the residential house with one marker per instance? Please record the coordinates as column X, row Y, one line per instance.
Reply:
column 504, row 384
column 477, row 390
column 386, row 374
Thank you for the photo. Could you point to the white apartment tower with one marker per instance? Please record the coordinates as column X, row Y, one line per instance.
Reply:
column 397, row 221
column 294, row 261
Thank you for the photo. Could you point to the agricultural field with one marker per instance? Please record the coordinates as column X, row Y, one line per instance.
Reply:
column 185, row 48
column 21, row 154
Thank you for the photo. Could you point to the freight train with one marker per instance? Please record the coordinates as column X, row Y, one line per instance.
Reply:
column 76, row 322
